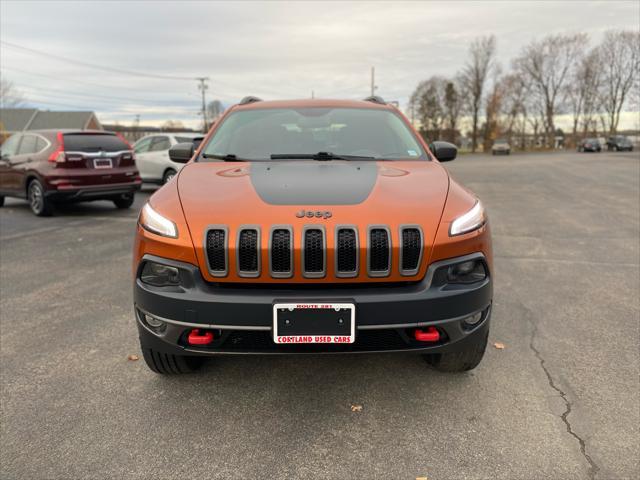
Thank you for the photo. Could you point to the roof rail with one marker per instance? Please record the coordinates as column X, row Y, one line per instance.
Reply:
column 249, row 99
column 375, row 99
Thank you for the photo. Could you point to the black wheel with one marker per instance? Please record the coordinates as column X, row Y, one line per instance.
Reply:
column 124, row 201
column 39, row 204
column 461, row 361
column 1, row 201
column 168, row 175
column 168, row 364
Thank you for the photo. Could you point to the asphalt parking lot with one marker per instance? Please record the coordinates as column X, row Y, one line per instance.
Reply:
column 561, row 400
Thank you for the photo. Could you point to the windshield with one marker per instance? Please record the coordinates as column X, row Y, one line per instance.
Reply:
column 259, row 134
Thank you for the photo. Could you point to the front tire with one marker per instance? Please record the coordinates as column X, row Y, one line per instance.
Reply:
column 461, row 361
column 1, row 201
column 169, row 364
column 124, row 201
column 168, row 175
column 39, row 204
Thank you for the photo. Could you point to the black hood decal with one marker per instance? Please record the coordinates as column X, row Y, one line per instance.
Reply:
column 314, row 183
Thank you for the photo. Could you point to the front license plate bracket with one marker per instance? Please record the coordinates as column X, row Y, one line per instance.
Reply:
column 313, row 323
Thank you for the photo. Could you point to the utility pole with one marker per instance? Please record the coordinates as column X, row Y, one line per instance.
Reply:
column 202, row 86
column 136, row 126
column 373, row 81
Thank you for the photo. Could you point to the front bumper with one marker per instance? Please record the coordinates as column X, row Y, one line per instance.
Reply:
column 241, row 316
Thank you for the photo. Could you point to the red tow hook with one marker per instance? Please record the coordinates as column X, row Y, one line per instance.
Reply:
column 195, row 338
column 430, row 335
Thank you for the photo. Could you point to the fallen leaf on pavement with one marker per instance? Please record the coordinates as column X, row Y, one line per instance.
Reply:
column 356, row 408
column 133, row 358
column 422, row 478
column 499, row 346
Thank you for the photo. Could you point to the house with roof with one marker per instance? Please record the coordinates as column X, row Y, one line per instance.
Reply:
column 14, row 120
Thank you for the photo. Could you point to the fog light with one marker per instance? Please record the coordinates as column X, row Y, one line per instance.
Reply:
column 160, row 275
column 466, row 272
column 153, row 321
column 472, row 320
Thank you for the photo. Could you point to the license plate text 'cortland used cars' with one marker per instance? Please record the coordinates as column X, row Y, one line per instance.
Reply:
column 312, row 226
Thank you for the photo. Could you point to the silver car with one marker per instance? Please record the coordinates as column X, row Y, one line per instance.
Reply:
column 152, row 155
column 501, row 147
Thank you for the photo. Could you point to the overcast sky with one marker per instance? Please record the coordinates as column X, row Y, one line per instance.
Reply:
column 269, row 49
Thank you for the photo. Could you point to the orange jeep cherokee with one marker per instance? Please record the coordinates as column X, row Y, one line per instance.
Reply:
column 312, row 226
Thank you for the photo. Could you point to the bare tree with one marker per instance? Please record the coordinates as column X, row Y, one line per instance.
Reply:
column 547, row 65
column 454, row 101
column 172, row 125
column 514, row 92
column 582, row 92
column 427, row 101
column 482, row 53
column 215, row 108
column 620, row 60
column 9, row 96
column 493, row 108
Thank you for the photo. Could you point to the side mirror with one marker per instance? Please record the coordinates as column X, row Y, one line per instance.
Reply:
column 181, row 152
column 444, row 151
column 196, row 142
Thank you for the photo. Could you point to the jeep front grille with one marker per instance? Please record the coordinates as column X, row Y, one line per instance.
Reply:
column 411, row 250
column 308, row 246
column 379, row 252
column 248, row 252
column 281, row 254
column 217, row 251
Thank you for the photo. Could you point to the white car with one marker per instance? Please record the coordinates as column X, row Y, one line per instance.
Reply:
column 152, row 155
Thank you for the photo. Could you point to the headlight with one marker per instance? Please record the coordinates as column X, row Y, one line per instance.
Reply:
column 472, row 220
column 156, row 223
column 160, row 275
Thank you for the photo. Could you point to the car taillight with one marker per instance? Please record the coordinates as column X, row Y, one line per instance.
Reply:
column 58, row 155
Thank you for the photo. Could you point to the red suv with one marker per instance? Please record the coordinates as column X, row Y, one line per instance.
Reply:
column 49, row 166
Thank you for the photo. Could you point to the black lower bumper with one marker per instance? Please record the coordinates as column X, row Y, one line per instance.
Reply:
column 241, row 317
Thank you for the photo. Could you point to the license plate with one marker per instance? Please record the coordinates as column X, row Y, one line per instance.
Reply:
column 314, row 323
column 102, row 163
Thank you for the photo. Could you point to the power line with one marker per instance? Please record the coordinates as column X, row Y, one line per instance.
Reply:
column 95, row 96
column 85, row 109
column 121, row 71
column 81, row 82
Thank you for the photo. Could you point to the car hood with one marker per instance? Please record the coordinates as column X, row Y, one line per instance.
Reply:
column 265, row 194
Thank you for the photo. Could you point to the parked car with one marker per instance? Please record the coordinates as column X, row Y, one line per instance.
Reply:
column 589, row 145
column 501, row 146
column 152, row 155
column 619, row 143
column 49, row 166
column 312, row 226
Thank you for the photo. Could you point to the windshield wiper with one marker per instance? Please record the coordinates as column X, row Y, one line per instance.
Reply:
column 320, row 156
column 229, row 157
